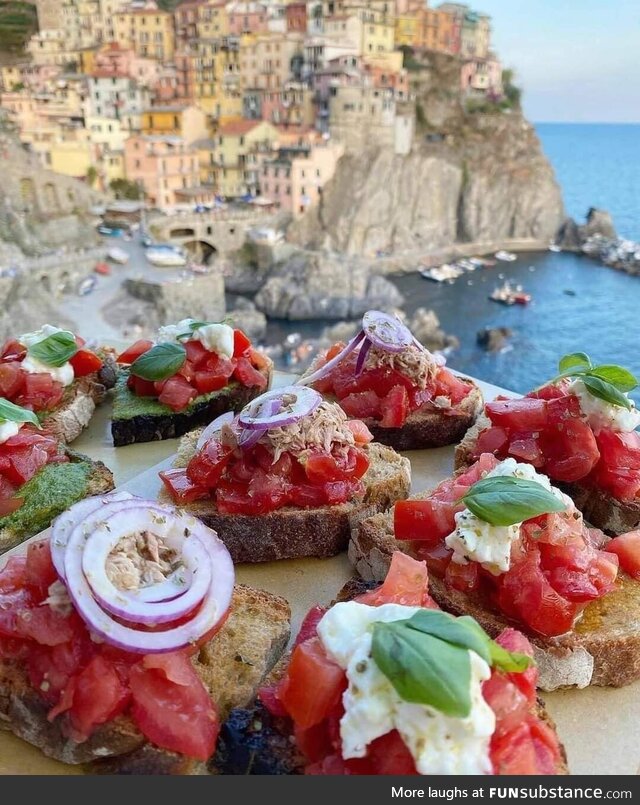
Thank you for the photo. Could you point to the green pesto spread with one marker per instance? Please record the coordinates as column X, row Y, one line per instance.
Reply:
column 46, row 495
column 127, row 405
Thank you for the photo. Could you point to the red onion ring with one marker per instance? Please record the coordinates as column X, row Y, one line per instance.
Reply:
column 104, row 536
column 324, row 370
column 256, row 415
column 63, row 525
column 248, row 436
column 362, row 356
column 214, row 427
column 215, row 604
column 386, row 332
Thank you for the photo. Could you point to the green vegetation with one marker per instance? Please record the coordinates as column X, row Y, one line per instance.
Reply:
column 92, row 175
column 512, row 93
column 421, row 119
column 18, row 21
column 168, row 5
column 123, row 188
column 409, row 61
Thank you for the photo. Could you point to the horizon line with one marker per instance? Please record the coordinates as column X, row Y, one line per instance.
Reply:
column 587, row 122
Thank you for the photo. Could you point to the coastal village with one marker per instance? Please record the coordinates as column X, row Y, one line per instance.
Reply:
column 229, row 100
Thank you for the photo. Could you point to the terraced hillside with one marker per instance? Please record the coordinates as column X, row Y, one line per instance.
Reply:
column 17, row 22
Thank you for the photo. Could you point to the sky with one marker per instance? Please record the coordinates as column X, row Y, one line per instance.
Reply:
column 577, row 60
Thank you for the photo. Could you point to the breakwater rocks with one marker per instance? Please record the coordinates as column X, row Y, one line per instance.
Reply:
column 597, row 238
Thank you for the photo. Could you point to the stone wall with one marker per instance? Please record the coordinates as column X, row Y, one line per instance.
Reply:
column 200, row 297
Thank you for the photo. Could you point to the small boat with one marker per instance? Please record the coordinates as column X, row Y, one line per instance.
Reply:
column 167, row 258
column 444, row 273
column 507, row 257
column 102, row 268
column 553, row 247
column 506, row 294
column 569, row 292
column 117, row 255
column 87, row 285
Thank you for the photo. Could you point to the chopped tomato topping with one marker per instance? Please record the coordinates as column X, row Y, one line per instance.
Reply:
column 133, row 352
column 407, row 583
column 627, row 548
column 85, row 362
column 241, row 344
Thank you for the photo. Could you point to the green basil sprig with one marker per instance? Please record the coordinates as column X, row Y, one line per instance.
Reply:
column 9, row 412
column 607, row 382
column 504, row 500
column 196, row 325
column 426, row 658
column 55, row 350
column 159, row 362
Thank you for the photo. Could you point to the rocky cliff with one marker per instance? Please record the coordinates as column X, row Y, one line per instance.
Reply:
column 475, row 173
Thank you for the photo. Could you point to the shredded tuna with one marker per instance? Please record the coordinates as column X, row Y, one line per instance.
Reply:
column 415, row 363
column 139, row 560
column 58, row 599
column 325, row 429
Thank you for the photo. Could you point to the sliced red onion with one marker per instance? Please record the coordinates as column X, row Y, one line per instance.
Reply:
column 105, row 535
column 214, row 605
column 307, row 380
column 250, row 436
column 257, row 414
column 362, row 356
column 386, row 332
column 67, row 521
column 214, row 427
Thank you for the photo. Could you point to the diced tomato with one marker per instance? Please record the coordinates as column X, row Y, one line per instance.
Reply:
column 248, row 375
column 85, row 362
column 546, row 745
column 465, row 578
column 141, row 387
column 395, row 408
column 66, row 700
column 362, row 405
column 525, row 414
column 133, row 352
column 307, row 496
column 389, row 754
column 507, row 701
column 13, row 574
column 258, row 360
column 514, row 752
column 627, row 548
column 180, row 487
column 428, row 520
column 24, row 464
column 11, row 380
column 448, row 385
column 177, row 393
column 241, row 344
column 618, row 471
column 174, row 666
column 436, row 556
column 310, row 623
column 267, row 492
column 207, row 381
column 206, row 467
column 219, row 365
column 337, row 492
column 44, row 625
column 234, row 499
column 527, row 449
column 361, row 432
column 9, row 505
column 323, row 467
column 40, row 392
column 268, row 695
column 187, row 371
column 572, row 584
column 561, row 408
column 179, row 717
column 197, row 353
column 570, row 451
column 491, row 440
column 313, row 685
column 13, row 351
column 40, row 573
column 526, row 681
column 406, row 583
column 99, row 696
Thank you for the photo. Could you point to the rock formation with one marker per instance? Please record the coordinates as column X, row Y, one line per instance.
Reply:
column 493, row 339
column 572, row 236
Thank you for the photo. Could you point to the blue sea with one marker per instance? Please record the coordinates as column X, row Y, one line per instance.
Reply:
column 596, row 165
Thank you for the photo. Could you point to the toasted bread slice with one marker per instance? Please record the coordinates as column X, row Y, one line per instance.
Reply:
column 72, row 416
column 144, row 419
column 232, row 666
column 52, row 490
column 253, row 741
column 292, row 533
column 602, row 649
column 599, row 508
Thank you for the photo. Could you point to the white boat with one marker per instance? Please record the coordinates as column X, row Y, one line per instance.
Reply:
column 507, row 257
column 553, row 247
column 444, row 273
column 117, row 255
column 165, row 257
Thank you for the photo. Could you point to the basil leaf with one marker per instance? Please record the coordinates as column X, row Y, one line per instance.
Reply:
column 576, row 360
column 619, row 377
column 160, row 362
column 605, row 391
column 462, row 632
column 422, row 668
column 505, row 500
column 9, row 412
column 508, row 661
column 56, row 349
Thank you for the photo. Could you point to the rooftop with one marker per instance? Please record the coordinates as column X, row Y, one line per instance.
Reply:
column 238, row 127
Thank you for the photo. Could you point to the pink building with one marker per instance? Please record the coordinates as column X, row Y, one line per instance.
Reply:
column 114, row 60
column 292, row 105
column 247, row 18
column 294, row 181
column 482, row 76
column 167, row 168
column 296, row 14
column 386, row 79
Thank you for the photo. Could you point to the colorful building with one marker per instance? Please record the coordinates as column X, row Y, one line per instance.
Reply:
column 189, row 123
column 295, row 179
column 116, row 96
column 240, row 149
column 482, row 76
column 149, row 31
column 296, row 16
column 293, row 104
column 266, row 60
column 247, row 17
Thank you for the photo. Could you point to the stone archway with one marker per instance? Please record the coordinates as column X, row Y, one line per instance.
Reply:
column 200, row 251
column 184, row 232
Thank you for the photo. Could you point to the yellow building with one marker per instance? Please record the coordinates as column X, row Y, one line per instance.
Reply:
column 10, row 76
column 111, row 167
column 213, row 20
column 186, row 122
column 407, row 30
column 73, row 156
column 149, row 31
column 240, row 149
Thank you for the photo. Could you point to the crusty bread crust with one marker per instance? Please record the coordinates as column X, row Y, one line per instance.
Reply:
column 603, row 649
column 253, row 741
column 292, row 533
column 599, row 508
column 424, row 429
column 154, row 427
column 232, row 666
